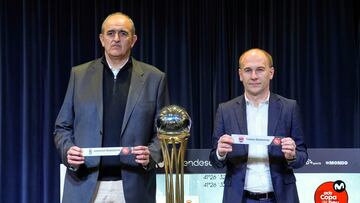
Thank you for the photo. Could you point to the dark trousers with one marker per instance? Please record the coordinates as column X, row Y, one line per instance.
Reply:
column 247, row 200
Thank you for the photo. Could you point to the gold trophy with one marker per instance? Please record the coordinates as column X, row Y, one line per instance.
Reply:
column 173, row 129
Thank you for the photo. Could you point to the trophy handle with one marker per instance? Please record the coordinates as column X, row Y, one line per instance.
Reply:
column 171, row 161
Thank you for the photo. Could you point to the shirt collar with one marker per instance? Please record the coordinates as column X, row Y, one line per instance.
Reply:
column 115, row 72
column 266, row 101
column 104, row 62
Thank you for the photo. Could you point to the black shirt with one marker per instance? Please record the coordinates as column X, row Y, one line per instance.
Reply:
column 115, row 93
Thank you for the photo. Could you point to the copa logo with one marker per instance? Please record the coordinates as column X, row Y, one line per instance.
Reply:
column 331, row 192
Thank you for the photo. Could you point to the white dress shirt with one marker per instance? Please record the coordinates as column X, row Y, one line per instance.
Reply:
column 258, row 178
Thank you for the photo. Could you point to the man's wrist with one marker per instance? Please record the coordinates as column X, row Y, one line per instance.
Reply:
column 291, row 159
column 73, row 168
column 219, row 157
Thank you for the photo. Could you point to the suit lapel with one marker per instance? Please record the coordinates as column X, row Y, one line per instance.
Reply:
column 240, row 114
column 97, row 87
column 275, row 108
column 136, row 86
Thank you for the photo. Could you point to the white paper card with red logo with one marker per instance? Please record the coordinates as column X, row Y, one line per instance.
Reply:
column 256, row 140
column 106, row 151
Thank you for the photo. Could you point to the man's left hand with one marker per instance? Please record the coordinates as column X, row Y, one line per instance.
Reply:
column 288, row 147
column 142, row 155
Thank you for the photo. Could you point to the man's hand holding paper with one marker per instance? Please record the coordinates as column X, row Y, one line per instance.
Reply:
column 224, row 145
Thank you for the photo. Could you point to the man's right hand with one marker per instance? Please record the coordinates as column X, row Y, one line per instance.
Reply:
column 224, row 145
column 75, row 157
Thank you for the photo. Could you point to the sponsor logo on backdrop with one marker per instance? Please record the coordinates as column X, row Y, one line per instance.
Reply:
column 331, row 192
column 190, row 163
column 314, row 163
column 336, row 163
column 197, row 163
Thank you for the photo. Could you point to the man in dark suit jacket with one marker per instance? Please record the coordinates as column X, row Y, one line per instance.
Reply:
column 111, row 102
column 258, row 173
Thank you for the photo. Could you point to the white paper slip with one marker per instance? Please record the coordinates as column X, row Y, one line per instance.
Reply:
column 106, row 151
column 256, row 140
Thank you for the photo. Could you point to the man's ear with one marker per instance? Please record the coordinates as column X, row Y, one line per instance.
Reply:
column 134, row 40
column 101, row 38
column 239, row 72
column 272, row 71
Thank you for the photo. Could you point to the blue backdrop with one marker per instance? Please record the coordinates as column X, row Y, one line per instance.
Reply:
column 315, row 45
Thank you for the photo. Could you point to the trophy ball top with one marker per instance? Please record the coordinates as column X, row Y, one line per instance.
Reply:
column 173, row 120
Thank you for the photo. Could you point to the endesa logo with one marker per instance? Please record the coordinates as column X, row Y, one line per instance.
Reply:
column 331, row 192
column 197, row 163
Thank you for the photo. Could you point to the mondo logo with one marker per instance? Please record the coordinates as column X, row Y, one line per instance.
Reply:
column 331, row 192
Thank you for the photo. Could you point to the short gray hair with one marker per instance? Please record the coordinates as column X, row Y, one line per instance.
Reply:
column 121, row 14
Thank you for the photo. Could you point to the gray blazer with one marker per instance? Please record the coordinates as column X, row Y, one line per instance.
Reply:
column 80, row 123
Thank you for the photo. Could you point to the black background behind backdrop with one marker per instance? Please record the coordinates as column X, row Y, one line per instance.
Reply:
column 315, row 45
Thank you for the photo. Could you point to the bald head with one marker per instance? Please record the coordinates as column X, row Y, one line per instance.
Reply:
column 118, row 14
column 253, row 52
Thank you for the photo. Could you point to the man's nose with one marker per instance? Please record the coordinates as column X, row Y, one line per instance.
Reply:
column 254, row 74
column 117, row 37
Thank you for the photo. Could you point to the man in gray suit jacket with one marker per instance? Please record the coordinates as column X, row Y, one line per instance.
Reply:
column 258, row 173
column 111, row 102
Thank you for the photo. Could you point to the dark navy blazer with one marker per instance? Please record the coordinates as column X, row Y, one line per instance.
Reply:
column 283, row 120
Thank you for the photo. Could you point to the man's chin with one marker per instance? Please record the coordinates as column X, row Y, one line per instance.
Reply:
column 116, row 54
column 254, row 92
